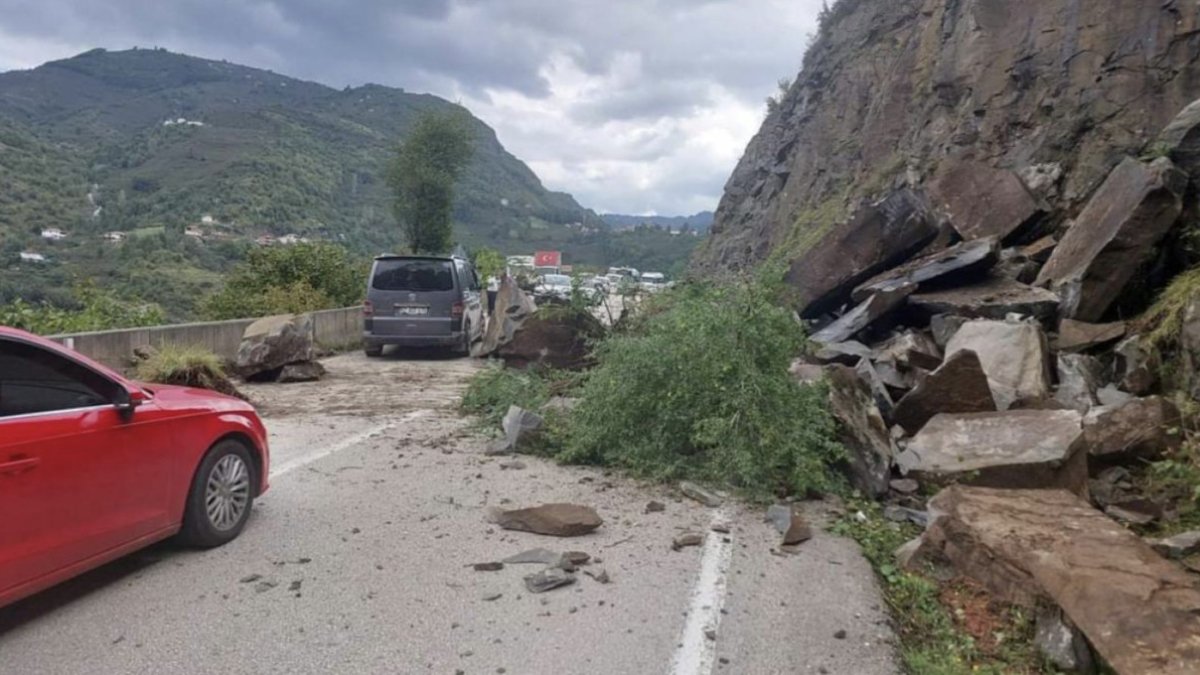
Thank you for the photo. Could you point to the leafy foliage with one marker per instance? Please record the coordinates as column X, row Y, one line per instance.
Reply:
column 93, row 309
column 699, row 387
column 493, row 390
column 289, row 279
column 489, row 262
column 427, row 168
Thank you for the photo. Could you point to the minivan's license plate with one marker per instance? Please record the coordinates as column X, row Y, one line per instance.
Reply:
column 412, row 311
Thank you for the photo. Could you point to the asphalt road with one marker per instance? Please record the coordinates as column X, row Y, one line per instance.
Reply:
column 357, row 561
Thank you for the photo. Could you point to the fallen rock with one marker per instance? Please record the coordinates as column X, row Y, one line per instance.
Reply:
column 1111, row 396
column 1115, row 234
column 965, row 261
column 798, row 532
column 874, row 238
column 519, row 424
column 910, row 349
column 980, row 200
column 511, row 308
column 272, row 342
column 576, row 558
column 514, row 465
column 703, row 495
column 905, row 486
column 943, row 327
column 1079, row 377
column 958, row 386
column 1137, row 366
column 555, row 337
column 1014, row 356
column 879, row 387
column 1135, row 511
column 1061, row 643
column 1040, row 250
column 869, row 311
column 488, row 566
column 600, row 574
column 309, row 371
column 779, row 516
column 1012, row 449
column 1179, row 546
column 688, row 539
column 847, row 353
column 1140, row 613
column 903, row 514
column 861, row 430
column 1078, row 336
column 1140, row 429
column 1181, row 139
column 548, row 580
column 655, row 507
column 533, row 556
column 556, row 520
column 992, row 298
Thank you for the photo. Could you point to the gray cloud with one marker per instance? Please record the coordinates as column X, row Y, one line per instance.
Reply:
column 632, row 105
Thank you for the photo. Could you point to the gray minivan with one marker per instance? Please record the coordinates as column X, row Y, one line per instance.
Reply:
column 422, row 301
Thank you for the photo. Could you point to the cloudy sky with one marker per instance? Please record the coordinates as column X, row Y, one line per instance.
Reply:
column 633, row 106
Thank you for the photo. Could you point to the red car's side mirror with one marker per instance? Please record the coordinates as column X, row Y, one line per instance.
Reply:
column 128, row 400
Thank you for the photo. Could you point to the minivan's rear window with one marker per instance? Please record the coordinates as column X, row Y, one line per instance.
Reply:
column 413, row 275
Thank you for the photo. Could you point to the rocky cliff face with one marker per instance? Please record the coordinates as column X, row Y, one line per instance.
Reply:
column 917, row 122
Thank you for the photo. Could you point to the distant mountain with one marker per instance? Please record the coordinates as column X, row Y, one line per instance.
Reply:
column 699, row 222
column 151, row 142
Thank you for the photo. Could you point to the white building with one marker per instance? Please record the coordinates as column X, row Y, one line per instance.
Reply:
column 53, row 233
column 207, row 220
column 194, row 232
column 30, row 256
column 289, row 239
column 114, row 236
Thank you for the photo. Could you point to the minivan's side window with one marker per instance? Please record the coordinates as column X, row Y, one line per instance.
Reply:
column 466, row 273
column 34, row 380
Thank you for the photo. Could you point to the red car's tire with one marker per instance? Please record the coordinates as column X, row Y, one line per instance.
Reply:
column 221, row 496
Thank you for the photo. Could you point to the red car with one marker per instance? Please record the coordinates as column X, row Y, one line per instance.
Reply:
column 94, row 466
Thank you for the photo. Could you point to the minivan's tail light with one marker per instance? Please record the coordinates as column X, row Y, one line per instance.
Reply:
column 456, row 310
column 368, row 308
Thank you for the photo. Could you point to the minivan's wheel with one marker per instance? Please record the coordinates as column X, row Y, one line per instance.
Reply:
column 222, row 493
column 373, row 350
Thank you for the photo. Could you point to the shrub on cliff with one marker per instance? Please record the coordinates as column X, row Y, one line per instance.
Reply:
column 289, row 280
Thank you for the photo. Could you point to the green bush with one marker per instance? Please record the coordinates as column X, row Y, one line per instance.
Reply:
column 289, row 279
column 95, row 309
column 698, row 387
column 493, row 390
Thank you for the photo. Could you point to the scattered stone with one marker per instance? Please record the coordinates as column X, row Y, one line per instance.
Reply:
column 721, row 527
column 1027, row 547
column 308, row 371
column 700, row 494
column 685, row 540
column 870, row 310
column 798, row 532
column 1135, row 510
column 905, row 486
column 519, row 424
column 514, row 465
column 780, row 516
column 910, row 349
column 980, row 200
column 958, row 386
column 1079, row 377
column 1061, row 643
column 1115, row 234
column 1017, row 448
column 901, row 514
column 848, row 353
column 1140, row 429
column 1040, row 250
column 839, row 635
column 264, row 586
column 533, row 556
column 249, row 578
column 1137, row 366
column 879, row 388
column 557, row 520
column 600, row 574
column 861, row 430
column 655, row 507
column 548, row 579
column 1179, row 546
column 964, row 261
column 488, row 566
column 710, row 634
column 944, row 326
column 1078, row 336
column 576, row 558
column 1014, row 356
column 491, row 597
column 993, row 298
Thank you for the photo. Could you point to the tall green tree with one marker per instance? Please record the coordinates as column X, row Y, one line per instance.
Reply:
column 424, row 175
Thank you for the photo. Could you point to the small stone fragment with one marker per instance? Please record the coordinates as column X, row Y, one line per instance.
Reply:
column 685, row 540
column 548, row 579
column 600, row 574
column 905, row 486
column 655, row 507
column 488, row 566
column 702, row 495
column 539, row 556
column 489, row 597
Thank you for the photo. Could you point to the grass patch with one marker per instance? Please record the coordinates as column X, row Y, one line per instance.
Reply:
column 944, row 629
column 186, row 366
column 1162, row 323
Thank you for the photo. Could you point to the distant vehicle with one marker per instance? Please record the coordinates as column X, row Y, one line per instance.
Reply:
column 554, row 285
column 94, row 466
column 653, row 281
column 627, row 272
column 422, row 301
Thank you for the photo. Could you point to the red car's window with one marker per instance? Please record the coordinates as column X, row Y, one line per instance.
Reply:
column 34, row 380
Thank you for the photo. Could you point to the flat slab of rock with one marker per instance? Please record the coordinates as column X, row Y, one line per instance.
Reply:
column 958, row 386
column 1182, row 139
column 1077, row 336
column 1143, row 428
column 993, row 298
column 1181, row 545
column 870, row 310
column 1015, row 448
column 556, row 520
column 848, row 353
column 1014, row 356
column 548, row 580
column 1140, row 612
column 980, row 200
column 861, row 430
column 967, row 260
column 701, row 494
column 1115, row 234
column 308, row 371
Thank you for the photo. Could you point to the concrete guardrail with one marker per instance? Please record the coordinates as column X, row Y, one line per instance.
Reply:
column 113, row 348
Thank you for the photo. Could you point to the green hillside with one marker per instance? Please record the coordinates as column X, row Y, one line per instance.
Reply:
column 95, row 143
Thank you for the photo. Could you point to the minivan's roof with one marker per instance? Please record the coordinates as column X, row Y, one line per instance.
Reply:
column 415, row 256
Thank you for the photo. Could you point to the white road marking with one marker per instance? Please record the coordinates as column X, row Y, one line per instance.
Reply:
column 697, row 654
column 320, row 452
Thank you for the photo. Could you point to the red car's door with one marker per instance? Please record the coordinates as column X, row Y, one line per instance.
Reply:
column 77, row 477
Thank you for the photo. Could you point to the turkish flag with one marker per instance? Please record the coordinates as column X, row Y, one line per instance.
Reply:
column 547, row 259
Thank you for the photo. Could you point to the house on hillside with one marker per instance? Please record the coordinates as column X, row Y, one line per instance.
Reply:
column 207, row 220
column 30, row 256
column 265, row 240
column 290, row 238
column 53, row 233
column 194, row 232
column 115, row 236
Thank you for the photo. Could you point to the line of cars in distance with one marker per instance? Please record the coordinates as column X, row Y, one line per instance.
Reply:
column 618, row 280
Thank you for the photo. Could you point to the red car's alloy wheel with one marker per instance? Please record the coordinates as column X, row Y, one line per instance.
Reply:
column 227, row 492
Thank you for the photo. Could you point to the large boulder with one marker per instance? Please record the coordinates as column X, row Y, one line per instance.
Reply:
column 1011, row 449
column 982, row 201
column 509, row 311
column 876, row 237
column 865, row 314
column 1114, row 236
column 993, row 298
column 862, row 430
column 1141, row 429
column 1140, row 612
column 958, row 386
column 558, row 337
column 1014, row 355
column 273, row 342
column 1181, row 139
column 961, row 262
column 1136, row 366
column 1077, row 336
